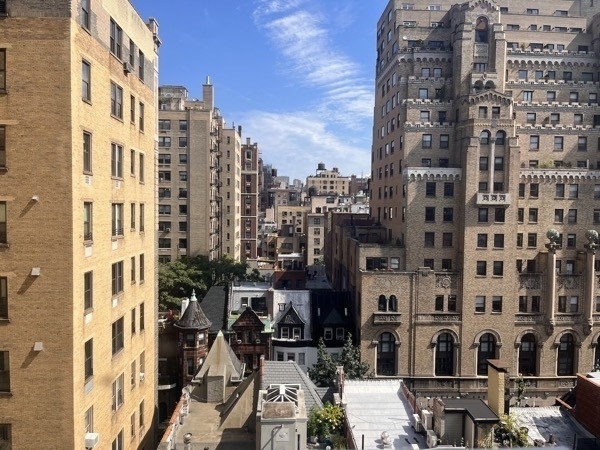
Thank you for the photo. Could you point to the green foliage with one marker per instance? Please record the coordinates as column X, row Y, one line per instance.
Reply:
column 509, row 430
column 329, row 419
column 312, row 425
column 354, row 368
column 339, row 442
column 323, row 372
column 177, row 279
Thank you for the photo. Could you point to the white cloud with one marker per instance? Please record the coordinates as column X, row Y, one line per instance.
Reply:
column 296, row 142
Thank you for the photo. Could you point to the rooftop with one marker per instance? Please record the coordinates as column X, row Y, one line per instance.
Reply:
column 375, row 406
column 288, row 372
column 546, row 420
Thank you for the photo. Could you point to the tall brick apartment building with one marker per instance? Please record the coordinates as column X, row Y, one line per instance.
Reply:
column 77, row 243
column 486, row 136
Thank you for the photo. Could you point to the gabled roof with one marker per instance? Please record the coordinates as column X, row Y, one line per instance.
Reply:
column 193, row 316
column 331, row 308
column 214, row 305
column 291, row 317
column 248, row 313
column 288, row 372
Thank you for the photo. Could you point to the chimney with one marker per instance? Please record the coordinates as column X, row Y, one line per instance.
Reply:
column 496, row 375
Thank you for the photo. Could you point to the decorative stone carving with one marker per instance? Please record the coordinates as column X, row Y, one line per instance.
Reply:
column 568, row 281
column 446, row 281
column 530, row 281
column 592, row 238
column 553, row 236
column 588, row 326
column 550, row 327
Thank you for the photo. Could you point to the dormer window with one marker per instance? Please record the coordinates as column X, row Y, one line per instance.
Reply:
column 285, row 333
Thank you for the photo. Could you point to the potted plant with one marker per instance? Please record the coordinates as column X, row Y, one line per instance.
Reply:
column 331, row 420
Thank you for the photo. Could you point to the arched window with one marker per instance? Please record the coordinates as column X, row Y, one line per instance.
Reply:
column 481, row 30
column 393, row 303
column 566, row 355
column 485, row 351
column 528, row 355
column 478, row 85
column 382, row 303
column 444, row 355
column 386, row 354
column 490, row 85
column 500, row 137
column 484, row 137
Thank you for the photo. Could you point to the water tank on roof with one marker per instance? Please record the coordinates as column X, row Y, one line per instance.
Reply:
column 321, row 166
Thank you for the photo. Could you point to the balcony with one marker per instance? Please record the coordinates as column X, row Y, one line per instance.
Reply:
column 530, row 281
column 567, row 319
column 487, row 199
column 382, row 318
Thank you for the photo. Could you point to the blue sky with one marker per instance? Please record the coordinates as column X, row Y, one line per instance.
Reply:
column 296, row 74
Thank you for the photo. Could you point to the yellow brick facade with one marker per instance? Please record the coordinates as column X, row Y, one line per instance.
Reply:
column 45, row 186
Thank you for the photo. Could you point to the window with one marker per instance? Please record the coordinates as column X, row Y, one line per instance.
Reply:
column 480, row 303
column 527, row 96
column 117, row 219
column 132, row 108
column 86, row 81
column 448, row 214
column 484, row 137
column 85, row 15
column 559, row 190
column 439, row 302
column 88, row 290
column 426, row 141
column 328, row 334
column 116, row 39
column 522, row 75
column 142, row 268
column 430, row 189
column 3, row 298
column 429, row 214
column 141, row 174
column 2, row 143
column 118, row 335
column 142, row 316
column 573, row 190
column 498, row 270
column 519, row 239
column 116, row 161
column 482, row 215
column 141, row 414
column 573, row 97
column 116, row 100
column 531, row 117
column 566, row 355
column 117, row 278
column 117, row 395
column 572, row 216
column 533, row 215
column 499, row 163
column 498, row 240
column 448, row 189
column 444, row 355
column 558, row 142
column 88, row 421
column 496, row 304
column 483, row 163
column 87, row 221
column 89, row 359
column 558, row 215
column 534, row 142
column 429, row 239
column 141, row 65
column 531, row 240
column 87, row 153
column 482, row 240
column 481, row 268
column 141, row 109
column 423, row 93
column 428, row 263
column 444, row 141
column 486, row 350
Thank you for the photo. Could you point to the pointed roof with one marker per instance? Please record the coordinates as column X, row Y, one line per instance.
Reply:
column 193, row 316
column 248, row 313
column 221, row 357
column 291, row 317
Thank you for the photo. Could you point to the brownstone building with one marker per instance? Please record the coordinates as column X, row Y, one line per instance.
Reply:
column 486, row 128
column 250, row 207
column 78, row 84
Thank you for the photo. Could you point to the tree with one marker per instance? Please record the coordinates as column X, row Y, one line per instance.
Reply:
column 176, row 280
column 354, row 368
column 323, row 372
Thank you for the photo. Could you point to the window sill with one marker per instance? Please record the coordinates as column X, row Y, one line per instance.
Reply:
column 4, row 245
column 86, row 29
column 479, row 312
column 88, row 311
column 4, row 321
column 117, row 238
column 3, row 91
column 86, row 100
column 6, row 394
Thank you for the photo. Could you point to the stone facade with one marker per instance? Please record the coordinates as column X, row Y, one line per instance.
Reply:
column 77, row 259
column 484, row 127
column 250, row 207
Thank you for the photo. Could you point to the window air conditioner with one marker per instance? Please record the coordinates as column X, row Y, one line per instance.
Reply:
column 142, row 376
column 127, row 68
column 91, row 440
column 168, row 230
